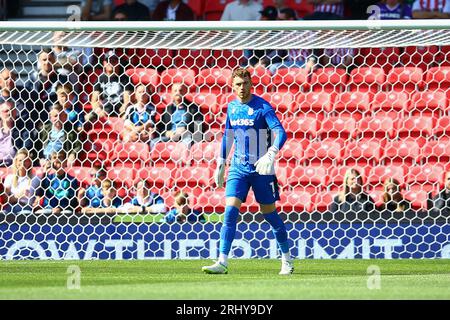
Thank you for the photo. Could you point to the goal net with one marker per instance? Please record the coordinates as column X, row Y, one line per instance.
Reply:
column 110, row 134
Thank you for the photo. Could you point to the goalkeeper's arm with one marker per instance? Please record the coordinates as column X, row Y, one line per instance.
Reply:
column 227, row 143
column 265, row 164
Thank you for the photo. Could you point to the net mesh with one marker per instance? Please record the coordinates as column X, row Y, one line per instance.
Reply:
column 94, row 154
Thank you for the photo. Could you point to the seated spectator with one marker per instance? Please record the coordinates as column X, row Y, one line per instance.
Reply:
column 352, row 198
column 96, row 10
column 20, row 185
column 119, row 15
column 60, row 135
column 440, row 203
column 393, row 200
column 287, row 14
column 182, row 212
column 110, row 201
column 8, row 134
column 57, row 189
column 25, row 109
column 145, row 200
column 181, row 120
column 431, row 9
column 296, row 58
column 92, row 196
column 112, row 90
column 326, row 10
column 139, row 117
column 242, row 10
column 68, row 100
column 134, row 10
column 173, row 10
column 394, row 9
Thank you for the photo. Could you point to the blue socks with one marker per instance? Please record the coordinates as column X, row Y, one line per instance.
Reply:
column 279, row 230
column 228, row 230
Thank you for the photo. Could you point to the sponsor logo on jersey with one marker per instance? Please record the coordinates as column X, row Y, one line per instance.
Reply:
column 242, row 122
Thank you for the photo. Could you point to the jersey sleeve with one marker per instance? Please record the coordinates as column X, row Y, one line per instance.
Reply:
column 275, row 126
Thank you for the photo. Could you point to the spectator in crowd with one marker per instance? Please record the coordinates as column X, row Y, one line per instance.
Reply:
column 68, row 100
column 242, row 10
column 173, row 10
column 265, row 57
column 139, row 117
column 119, row 15
column 440, row 203
column 112, row 90
column 295, row 58
column 26, row 112
column 394, row 9
column 42, row 83
column 20, row 185
column 60, row 135
column 134, row 10
column 352, row 198
column 393, row 200
column 432, row 9
column 182, row 212
column 287, row 14
column 70, row 62
column 8, row 135
column 181, row 120
column 92, row 196
column 326, row 10
column 145, row 200
column 151, row 4
column 110, row 201
column 96, row 10
column 57, row 191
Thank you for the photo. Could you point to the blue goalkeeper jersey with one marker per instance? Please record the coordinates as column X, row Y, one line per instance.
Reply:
column 251, row 126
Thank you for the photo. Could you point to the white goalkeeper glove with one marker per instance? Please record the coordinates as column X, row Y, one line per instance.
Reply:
column 265, row 164
column 219, row 174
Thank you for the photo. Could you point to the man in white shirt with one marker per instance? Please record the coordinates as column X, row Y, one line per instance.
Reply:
column 242, row 10
column 431, row 9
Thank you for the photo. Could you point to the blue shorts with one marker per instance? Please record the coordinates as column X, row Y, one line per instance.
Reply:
column 239, row 182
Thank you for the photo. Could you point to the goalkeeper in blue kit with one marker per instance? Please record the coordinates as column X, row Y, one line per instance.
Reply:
column 258, row 135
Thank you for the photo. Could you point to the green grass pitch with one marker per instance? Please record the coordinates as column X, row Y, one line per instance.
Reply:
column 247, row 279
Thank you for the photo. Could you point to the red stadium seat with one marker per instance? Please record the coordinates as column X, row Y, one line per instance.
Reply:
column 436, row 152
column 376, row 127
column 214, row 9
column 227, row 58
column 281, row 102
column 442, row 128
column 295, row 201
column 337, row 127
column 205, row 152
column 379, row 174
column 405, row 79
column 192, row 177
column 329, row 80
column 212, row 201
column 384, row 58
column 144, row 75
column 428, row 103
column 362, row 153
column 392, row 104
column 337, row 174
column 214, row 80
column 301, row 127
column 418, row 127
column 169, row 154
column 192, row 59
column 290, row 79
column 323, row 153
column 174, row 75
column 317, row 103
column 401, row 152
column 159, row 177
column 147, row 58
column 425, row 177
column 198, row 6
column 422, row 57
column 292, row 152
column 438, row 78
column 261, row 79
column 311, row 179
column 207, row 102
column 353, row 104
column 323, row 200
column 99, row 150
column 418, row 199
column 367, row 79
column 282, row 173
column 122, row 175
column 137, row 153
column 377, row 196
